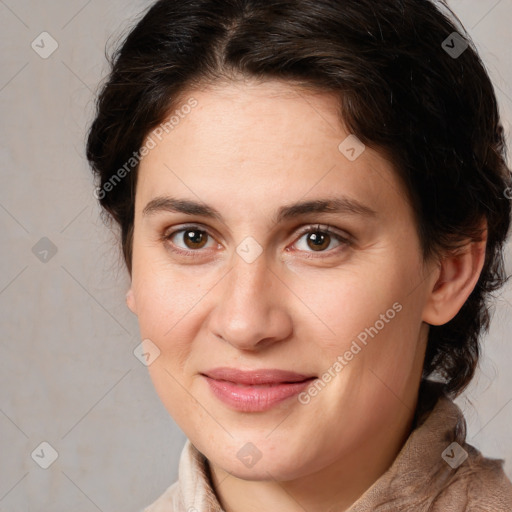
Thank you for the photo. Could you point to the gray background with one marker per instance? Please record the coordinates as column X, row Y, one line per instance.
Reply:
column 68, row 375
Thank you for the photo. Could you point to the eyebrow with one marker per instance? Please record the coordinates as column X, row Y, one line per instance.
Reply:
column 340, row 205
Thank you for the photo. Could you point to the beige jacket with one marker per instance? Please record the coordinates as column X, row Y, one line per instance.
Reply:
column 421, row 479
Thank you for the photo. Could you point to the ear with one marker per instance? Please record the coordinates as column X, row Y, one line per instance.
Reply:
column 458, row 274
column 130, row 301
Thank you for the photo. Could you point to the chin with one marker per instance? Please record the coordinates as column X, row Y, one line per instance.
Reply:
column 259, row 461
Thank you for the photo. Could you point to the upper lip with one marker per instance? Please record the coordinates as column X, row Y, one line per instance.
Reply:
column 261, row 376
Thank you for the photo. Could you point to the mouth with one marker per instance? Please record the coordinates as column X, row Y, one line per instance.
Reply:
column 255, row 390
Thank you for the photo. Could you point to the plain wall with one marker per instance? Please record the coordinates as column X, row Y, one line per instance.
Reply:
column 68, row 375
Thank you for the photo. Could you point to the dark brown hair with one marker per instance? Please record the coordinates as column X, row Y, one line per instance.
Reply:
column 406, row 85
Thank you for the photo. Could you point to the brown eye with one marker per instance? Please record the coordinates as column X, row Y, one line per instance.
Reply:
column 194, row 238
column 318, row 241
column 188, row 240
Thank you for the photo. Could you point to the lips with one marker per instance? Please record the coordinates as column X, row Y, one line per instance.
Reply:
column 256, row 377
column 255, row 390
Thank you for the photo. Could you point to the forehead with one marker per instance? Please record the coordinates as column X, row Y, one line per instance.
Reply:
column 257, row 144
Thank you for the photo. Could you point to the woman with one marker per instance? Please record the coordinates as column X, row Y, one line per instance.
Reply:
column 313, row 202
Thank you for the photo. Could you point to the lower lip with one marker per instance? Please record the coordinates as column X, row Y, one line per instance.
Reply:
column 254, row 398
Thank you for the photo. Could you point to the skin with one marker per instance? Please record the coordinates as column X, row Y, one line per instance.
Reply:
column 248, row 149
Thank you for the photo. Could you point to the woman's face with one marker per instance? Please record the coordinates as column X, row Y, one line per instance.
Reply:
column 248, row 288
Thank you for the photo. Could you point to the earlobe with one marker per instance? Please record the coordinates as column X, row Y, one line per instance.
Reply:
column 130, row 301
column 459, row 273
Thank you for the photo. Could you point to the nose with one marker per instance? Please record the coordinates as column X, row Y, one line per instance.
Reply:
column 251, row 312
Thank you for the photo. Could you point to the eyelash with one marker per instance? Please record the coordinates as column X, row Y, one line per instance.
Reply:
column 325, row 229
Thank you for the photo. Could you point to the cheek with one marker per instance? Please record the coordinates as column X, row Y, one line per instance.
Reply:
column 162, row 305
column 371, row 318
column 163, row 294
column 165, row 304
column 348, row 302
